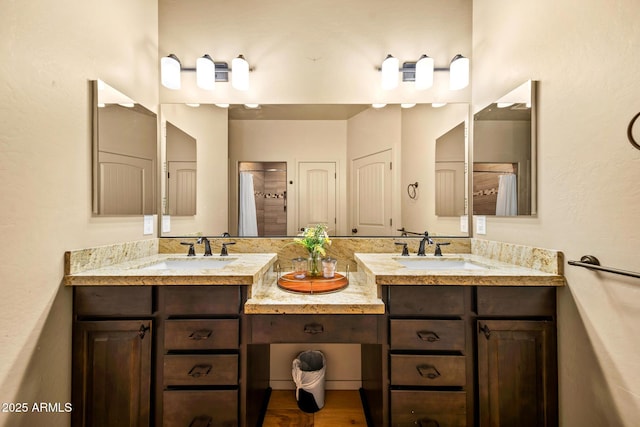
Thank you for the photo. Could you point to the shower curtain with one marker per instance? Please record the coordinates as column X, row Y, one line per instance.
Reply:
column 507, row 203
column 247, row 221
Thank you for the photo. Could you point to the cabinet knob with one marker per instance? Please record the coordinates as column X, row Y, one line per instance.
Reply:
column 143, row 331
column 428, row 336
column 485, row 330
column 200, row 334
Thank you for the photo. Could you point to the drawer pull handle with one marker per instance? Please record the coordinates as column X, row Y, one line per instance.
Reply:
column 429, row 336
column 428, row 422
column 200, row 371
column 143, row 331
column 428, row 371
column 313, row 329
column 200, row 334
column 201, row 421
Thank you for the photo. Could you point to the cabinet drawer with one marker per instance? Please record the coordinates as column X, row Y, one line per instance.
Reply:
column 186, row 408
column 419, row 370
column 201, row 334
column 194, row 300
column 112, row 300
column 291, row 328
column 427, row 335
column 516, row 301
column 441, row 408
column 198, row 370
column 426, row 300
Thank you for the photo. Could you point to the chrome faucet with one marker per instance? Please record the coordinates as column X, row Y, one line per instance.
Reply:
column 425, row 240
column 207, row 245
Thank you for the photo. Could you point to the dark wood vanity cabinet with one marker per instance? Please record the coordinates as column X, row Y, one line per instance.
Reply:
column 113, row 336
column 472, row 356
column 159, row 356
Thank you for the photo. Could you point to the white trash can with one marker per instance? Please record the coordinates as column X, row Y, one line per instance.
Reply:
column 308, row 372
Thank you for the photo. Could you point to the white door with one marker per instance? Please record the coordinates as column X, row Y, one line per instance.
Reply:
column 126, row 185
column 317, row 195
column 181, row 193
column 371, row 195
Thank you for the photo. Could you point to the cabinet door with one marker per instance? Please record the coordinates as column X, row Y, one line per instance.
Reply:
column 111, row 373
column 516, row 373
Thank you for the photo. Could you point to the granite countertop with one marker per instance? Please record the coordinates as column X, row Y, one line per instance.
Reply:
column 359, row 297
column 385, row 269
column 241, row 269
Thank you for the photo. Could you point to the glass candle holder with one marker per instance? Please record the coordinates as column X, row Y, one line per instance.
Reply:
column 299, row 267
column 329, row 267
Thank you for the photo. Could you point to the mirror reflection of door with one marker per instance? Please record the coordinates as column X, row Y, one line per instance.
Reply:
column 263, row 191
column 181, row 172
column 450, row 174
column 317, row 195
column 371, row 195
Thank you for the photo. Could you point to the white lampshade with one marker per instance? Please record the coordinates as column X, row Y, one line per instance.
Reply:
column 459, row 73
column 205, row 73
column 170, row 72
column 240, row 73
column 390, row 72
column 424, row 73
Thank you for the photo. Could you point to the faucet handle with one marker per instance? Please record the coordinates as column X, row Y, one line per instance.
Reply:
column 224, row 251
column 192, row 251
column 438, row 251
column 405, row 251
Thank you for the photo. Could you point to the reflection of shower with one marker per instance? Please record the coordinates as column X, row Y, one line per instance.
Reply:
column 270, row 194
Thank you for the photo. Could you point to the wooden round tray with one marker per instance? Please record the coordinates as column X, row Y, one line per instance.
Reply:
column 312, row 284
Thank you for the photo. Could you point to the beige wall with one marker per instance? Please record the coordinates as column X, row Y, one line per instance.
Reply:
column 585, row 56
column 50, row 52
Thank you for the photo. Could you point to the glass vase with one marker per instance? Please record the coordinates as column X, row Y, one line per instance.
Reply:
column 315, row 264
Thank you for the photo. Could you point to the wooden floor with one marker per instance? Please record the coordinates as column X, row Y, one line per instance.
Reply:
column 341, row 408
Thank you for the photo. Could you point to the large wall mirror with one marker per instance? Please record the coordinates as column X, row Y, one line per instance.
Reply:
column 346, row 165
column 504, row 155
column 124, row 154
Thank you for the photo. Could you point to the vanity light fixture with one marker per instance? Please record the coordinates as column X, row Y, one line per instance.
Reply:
column 207, row 71
column 390, row 67
column 170, row 72
column 459, row 72
column 421, row 72
column 240, row 75
column 424, row 73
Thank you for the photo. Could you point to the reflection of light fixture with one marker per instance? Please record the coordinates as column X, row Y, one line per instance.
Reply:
column 170, row 72
column 421, row 72
column 222, row 105
column 192, row 105
column 424, row 73
column 127, row 104
column 438, row 104
column 504, row 104
column 407, row 105
column 459, row 72
column 207, row 72
column 252, row 106
column 377, row 106
column 390, row 67
column 240, row 73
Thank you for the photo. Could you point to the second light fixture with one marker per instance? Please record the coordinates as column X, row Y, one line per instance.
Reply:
column 207, row 71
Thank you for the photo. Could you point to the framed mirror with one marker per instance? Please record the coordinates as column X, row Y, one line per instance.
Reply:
column 504, row 155
column 124, row 154
column 319, row 147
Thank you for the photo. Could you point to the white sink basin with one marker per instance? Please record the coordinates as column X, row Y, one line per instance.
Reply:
column 190, row 264
column 439, row 264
